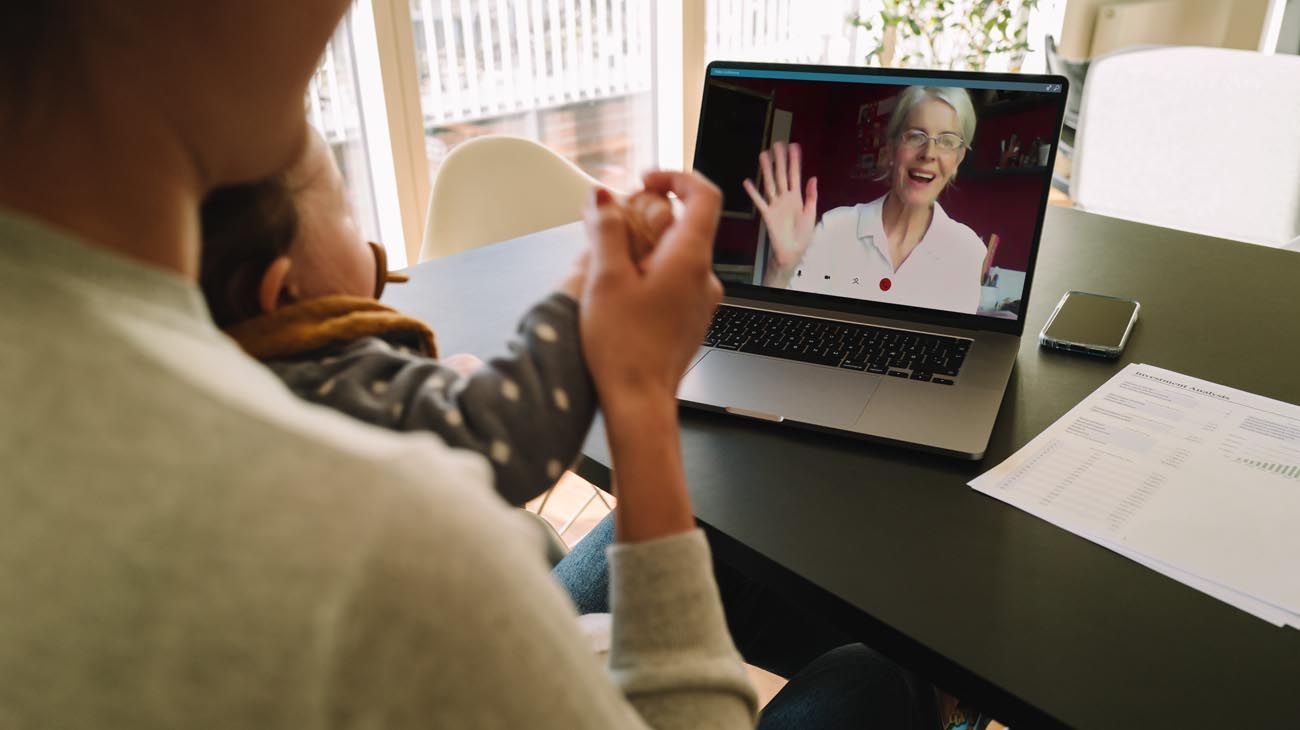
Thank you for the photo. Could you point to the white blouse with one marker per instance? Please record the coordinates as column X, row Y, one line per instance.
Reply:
column 848, row 258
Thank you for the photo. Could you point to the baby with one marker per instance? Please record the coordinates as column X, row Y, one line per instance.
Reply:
column 287, row 274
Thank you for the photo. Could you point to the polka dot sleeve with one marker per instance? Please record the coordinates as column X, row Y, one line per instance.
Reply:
column 528, row 412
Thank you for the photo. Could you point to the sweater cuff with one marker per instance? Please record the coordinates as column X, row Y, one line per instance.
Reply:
column 665, row 599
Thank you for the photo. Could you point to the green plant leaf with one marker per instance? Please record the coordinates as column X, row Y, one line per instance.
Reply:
column 948, row 33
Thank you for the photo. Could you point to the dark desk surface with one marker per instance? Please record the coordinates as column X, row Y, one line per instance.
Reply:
column 1043, row 627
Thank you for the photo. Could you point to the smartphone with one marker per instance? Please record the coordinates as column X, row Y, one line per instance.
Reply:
column 1090, row 324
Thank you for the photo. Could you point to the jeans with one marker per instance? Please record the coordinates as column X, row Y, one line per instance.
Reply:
column 834, row 681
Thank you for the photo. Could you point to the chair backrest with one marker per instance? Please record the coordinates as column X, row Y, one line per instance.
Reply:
column 1199, row 139
column 494, row 188
column 1074, row 71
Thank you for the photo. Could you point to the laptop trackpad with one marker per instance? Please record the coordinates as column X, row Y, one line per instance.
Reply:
column 779, row 388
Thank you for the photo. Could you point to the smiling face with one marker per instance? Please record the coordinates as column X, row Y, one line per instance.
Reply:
column 919, row 174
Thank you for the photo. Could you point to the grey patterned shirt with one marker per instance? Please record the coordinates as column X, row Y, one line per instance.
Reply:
column 528, row 412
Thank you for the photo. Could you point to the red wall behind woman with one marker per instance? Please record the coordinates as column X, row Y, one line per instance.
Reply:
column 825, row 124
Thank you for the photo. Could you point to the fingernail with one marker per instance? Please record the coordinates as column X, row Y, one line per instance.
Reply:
column 603, row 197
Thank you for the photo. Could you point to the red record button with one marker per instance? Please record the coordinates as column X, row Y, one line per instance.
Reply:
column 885, row 283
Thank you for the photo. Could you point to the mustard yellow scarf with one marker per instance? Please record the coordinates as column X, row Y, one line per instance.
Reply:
column 316, row 324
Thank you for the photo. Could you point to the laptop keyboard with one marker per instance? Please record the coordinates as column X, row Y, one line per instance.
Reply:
column 882, row 350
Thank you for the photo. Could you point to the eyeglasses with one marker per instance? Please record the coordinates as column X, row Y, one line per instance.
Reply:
column 382, row 274
column 946, row 142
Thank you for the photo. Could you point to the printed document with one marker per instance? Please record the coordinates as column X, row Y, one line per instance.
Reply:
column 1196, row 480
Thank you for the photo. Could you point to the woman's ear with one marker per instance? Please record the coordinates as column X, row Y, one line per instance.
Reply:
column 271, row 291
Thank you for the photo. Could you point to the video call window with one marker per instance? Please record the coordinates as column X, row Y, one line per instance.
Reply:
column 893, row 189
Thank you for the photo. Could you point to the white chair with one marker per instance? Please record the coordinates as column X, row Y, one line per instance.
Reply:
column 1199, row 139
column 494, row 188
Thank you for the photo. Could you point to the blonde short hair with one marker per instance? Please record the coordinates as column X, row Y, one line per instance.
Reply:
column 953, row 96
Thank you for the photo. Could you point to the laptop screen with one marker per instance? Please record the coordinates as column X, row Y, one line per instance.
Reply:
column 919, row 191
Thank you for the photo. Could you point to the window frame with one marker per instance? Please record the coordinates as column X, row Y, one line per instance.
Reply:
column 383, row 38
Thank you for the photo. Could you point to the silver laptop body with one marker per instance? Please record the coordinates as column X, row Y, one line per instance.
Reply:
column 920, row 401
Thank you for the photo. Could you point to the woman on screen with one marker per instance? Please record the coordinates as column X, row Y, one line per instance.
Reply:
column 901, row 248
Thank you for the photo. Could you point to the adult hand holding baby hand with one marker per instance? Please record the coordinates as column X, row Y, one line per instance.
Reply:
column 648, row 213
column 641, row 323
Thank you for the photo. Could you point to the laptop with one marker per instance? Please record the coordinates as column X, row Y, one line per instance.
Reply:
column 878, row 239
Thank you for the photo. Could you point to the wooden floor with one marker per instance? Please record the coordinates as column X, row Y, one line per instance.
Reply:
column 571, row 502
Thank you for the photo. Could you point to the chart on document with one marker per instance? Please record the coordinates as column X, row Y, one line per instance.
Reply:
column 1194, row 475
column 1278, row 453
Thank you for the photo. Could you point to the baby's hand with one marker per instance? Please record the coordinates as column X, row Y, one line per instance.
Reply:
column 463, row 363
column 648, row 214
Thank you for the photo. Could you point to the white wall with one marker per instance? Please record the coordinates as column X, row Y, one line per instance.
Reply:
column 1243, row 29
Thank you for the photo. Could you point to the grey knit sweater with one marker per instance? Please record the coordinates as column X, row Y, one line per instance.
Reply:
column 187, row 544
